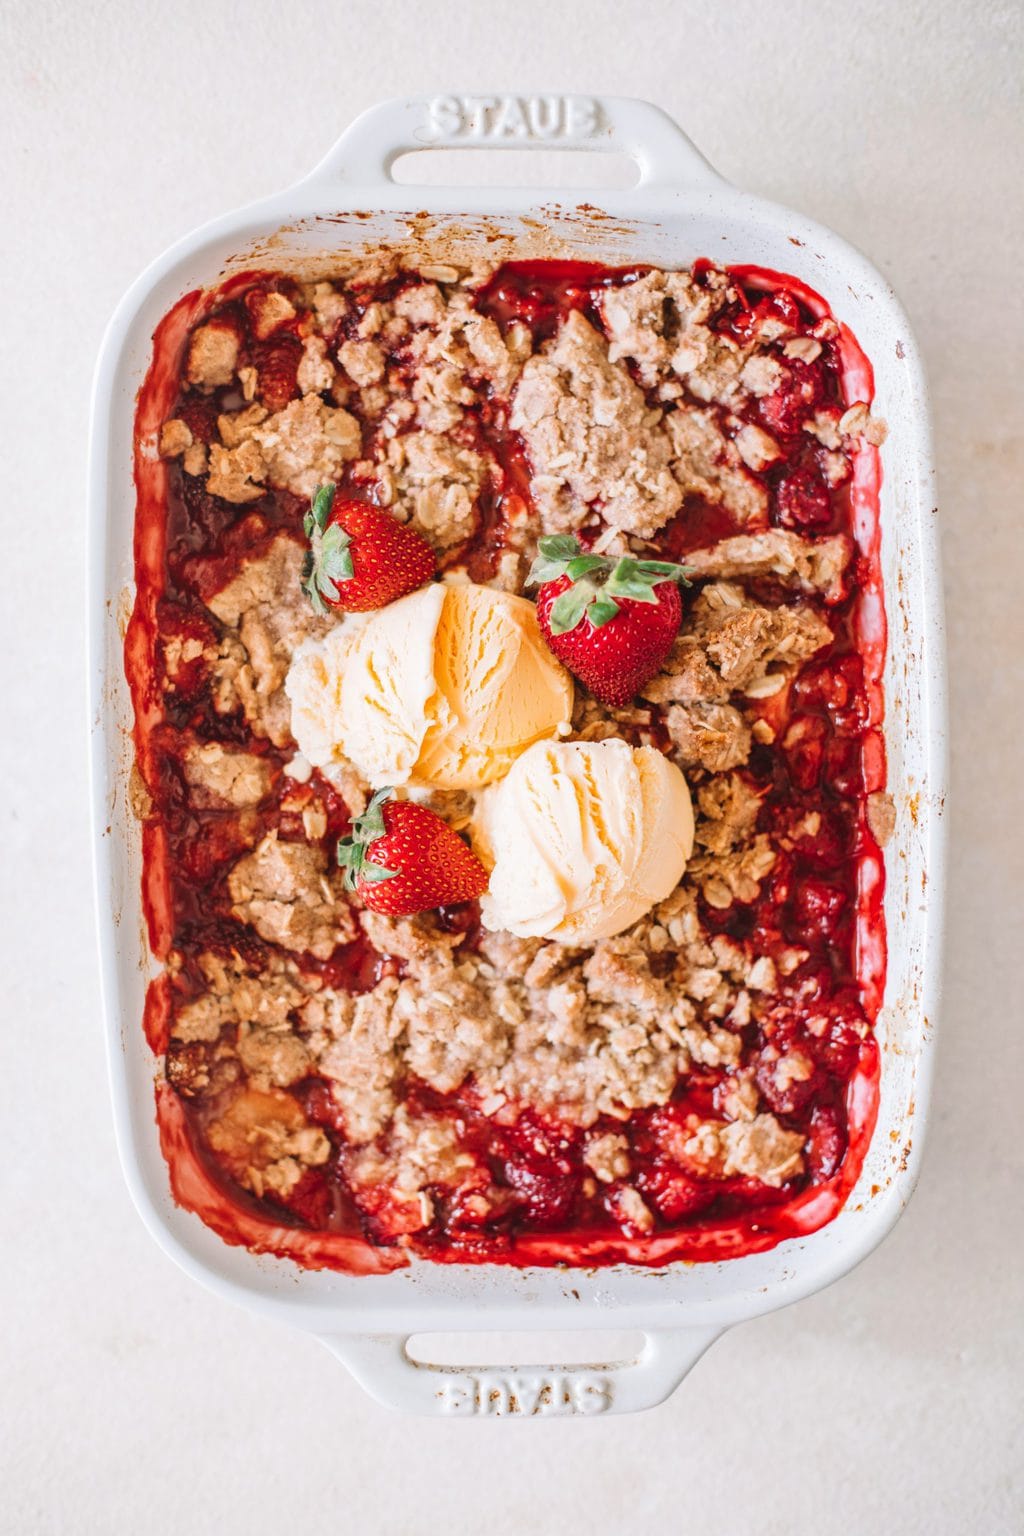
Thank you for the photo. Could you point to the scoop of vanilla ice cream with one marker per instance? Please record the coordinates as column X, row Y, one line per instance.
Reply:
column 501, row 688
column 443, row 688
column 364, row 693
column 582, row 838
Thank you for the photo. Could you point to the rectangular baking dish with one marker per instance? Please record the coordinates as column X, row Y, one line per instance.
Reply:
column 679, row 210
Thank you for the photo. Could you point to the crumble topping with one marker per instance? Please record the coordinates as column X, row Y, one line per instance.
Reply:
column 579, row 1033
column 316, row 372
column 212, row 356
column 266, row 1141
column 759, row 1149
column 607, row 1157
column 434, row 483
column 592, row 437
column 218, row 777
column 707, row 463
column 265, row 618
column 630, row 1210
column 728, row 643
column 452, row 1081
column 294, row 449
column 285, row 892
column 268, row 310
column 808, row 565
column 662, row 323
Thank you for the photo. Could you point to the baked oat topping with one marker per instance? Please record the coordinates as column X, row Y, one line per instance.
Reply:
column 592, row 437
column 422, row 1079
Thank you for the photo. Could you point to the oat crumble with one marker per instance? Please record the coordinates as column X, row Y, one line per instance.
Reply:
column 444, row 1081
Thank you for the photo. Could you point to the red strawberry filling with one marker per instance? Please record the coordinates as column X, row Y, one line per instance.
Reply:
column 277, row 368
column 290, row 904
column 802, row 500
column 787, row 408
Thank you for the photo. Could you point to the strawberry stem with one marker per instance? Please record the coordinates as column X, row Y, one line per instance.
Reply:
column 352, row 850
column 329, row 557
column 599, row 585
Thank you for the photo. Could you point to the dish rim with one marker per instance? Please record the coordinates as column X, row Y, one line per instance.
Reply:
column 317, row 196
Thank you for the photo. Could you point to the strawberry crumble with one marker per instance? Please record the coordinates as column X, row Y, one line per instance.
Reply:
column 365, row 1077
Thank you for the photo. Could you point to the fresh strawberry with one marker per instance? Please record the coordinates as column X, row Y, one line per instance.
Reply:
column 360, row 557
column 612, row 622
column 402, row 858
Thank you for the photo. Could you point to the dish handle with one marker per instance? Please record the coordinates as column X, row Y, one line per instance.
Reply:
column 383, row 1367
column 369, row 147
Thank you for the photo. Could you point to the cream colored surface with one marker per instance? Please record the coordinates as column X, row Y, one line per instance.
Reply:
column 443, row 688
column 582, row 838
column 890, row 1401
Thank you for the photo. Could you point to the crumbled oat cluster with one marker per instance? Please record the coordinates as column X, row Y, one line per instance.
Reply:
column 436, row 1082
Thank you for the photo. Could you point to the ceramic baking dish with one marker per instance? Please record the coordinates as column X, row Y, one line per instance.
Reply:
column 679, row 210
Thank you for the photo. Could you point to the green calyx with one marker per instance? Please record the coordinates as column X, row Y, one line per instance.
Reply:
column 599, row 585
column 329, row 557
column 352, row 850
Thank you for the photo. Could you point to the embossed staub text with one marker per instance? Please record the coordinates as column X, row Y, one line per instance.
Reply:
column 490, row 118
column 503, row 1393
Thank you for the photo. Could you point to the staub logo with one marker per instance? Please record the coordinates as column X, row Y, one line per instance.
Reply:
column 513, row 117
column 554, row 1396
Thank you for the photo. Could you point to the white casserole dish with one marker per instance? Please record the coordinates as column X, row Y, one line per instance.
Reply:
column 679, row 210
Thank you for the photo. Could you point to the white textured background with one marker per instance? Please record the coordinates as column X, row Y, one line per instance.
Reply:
column 131, row 1400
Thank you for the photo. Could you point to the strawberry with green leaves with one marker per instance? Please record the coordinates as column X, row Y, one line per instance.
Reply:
column 360, row 557
column 401, row 858
column 611, row 621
